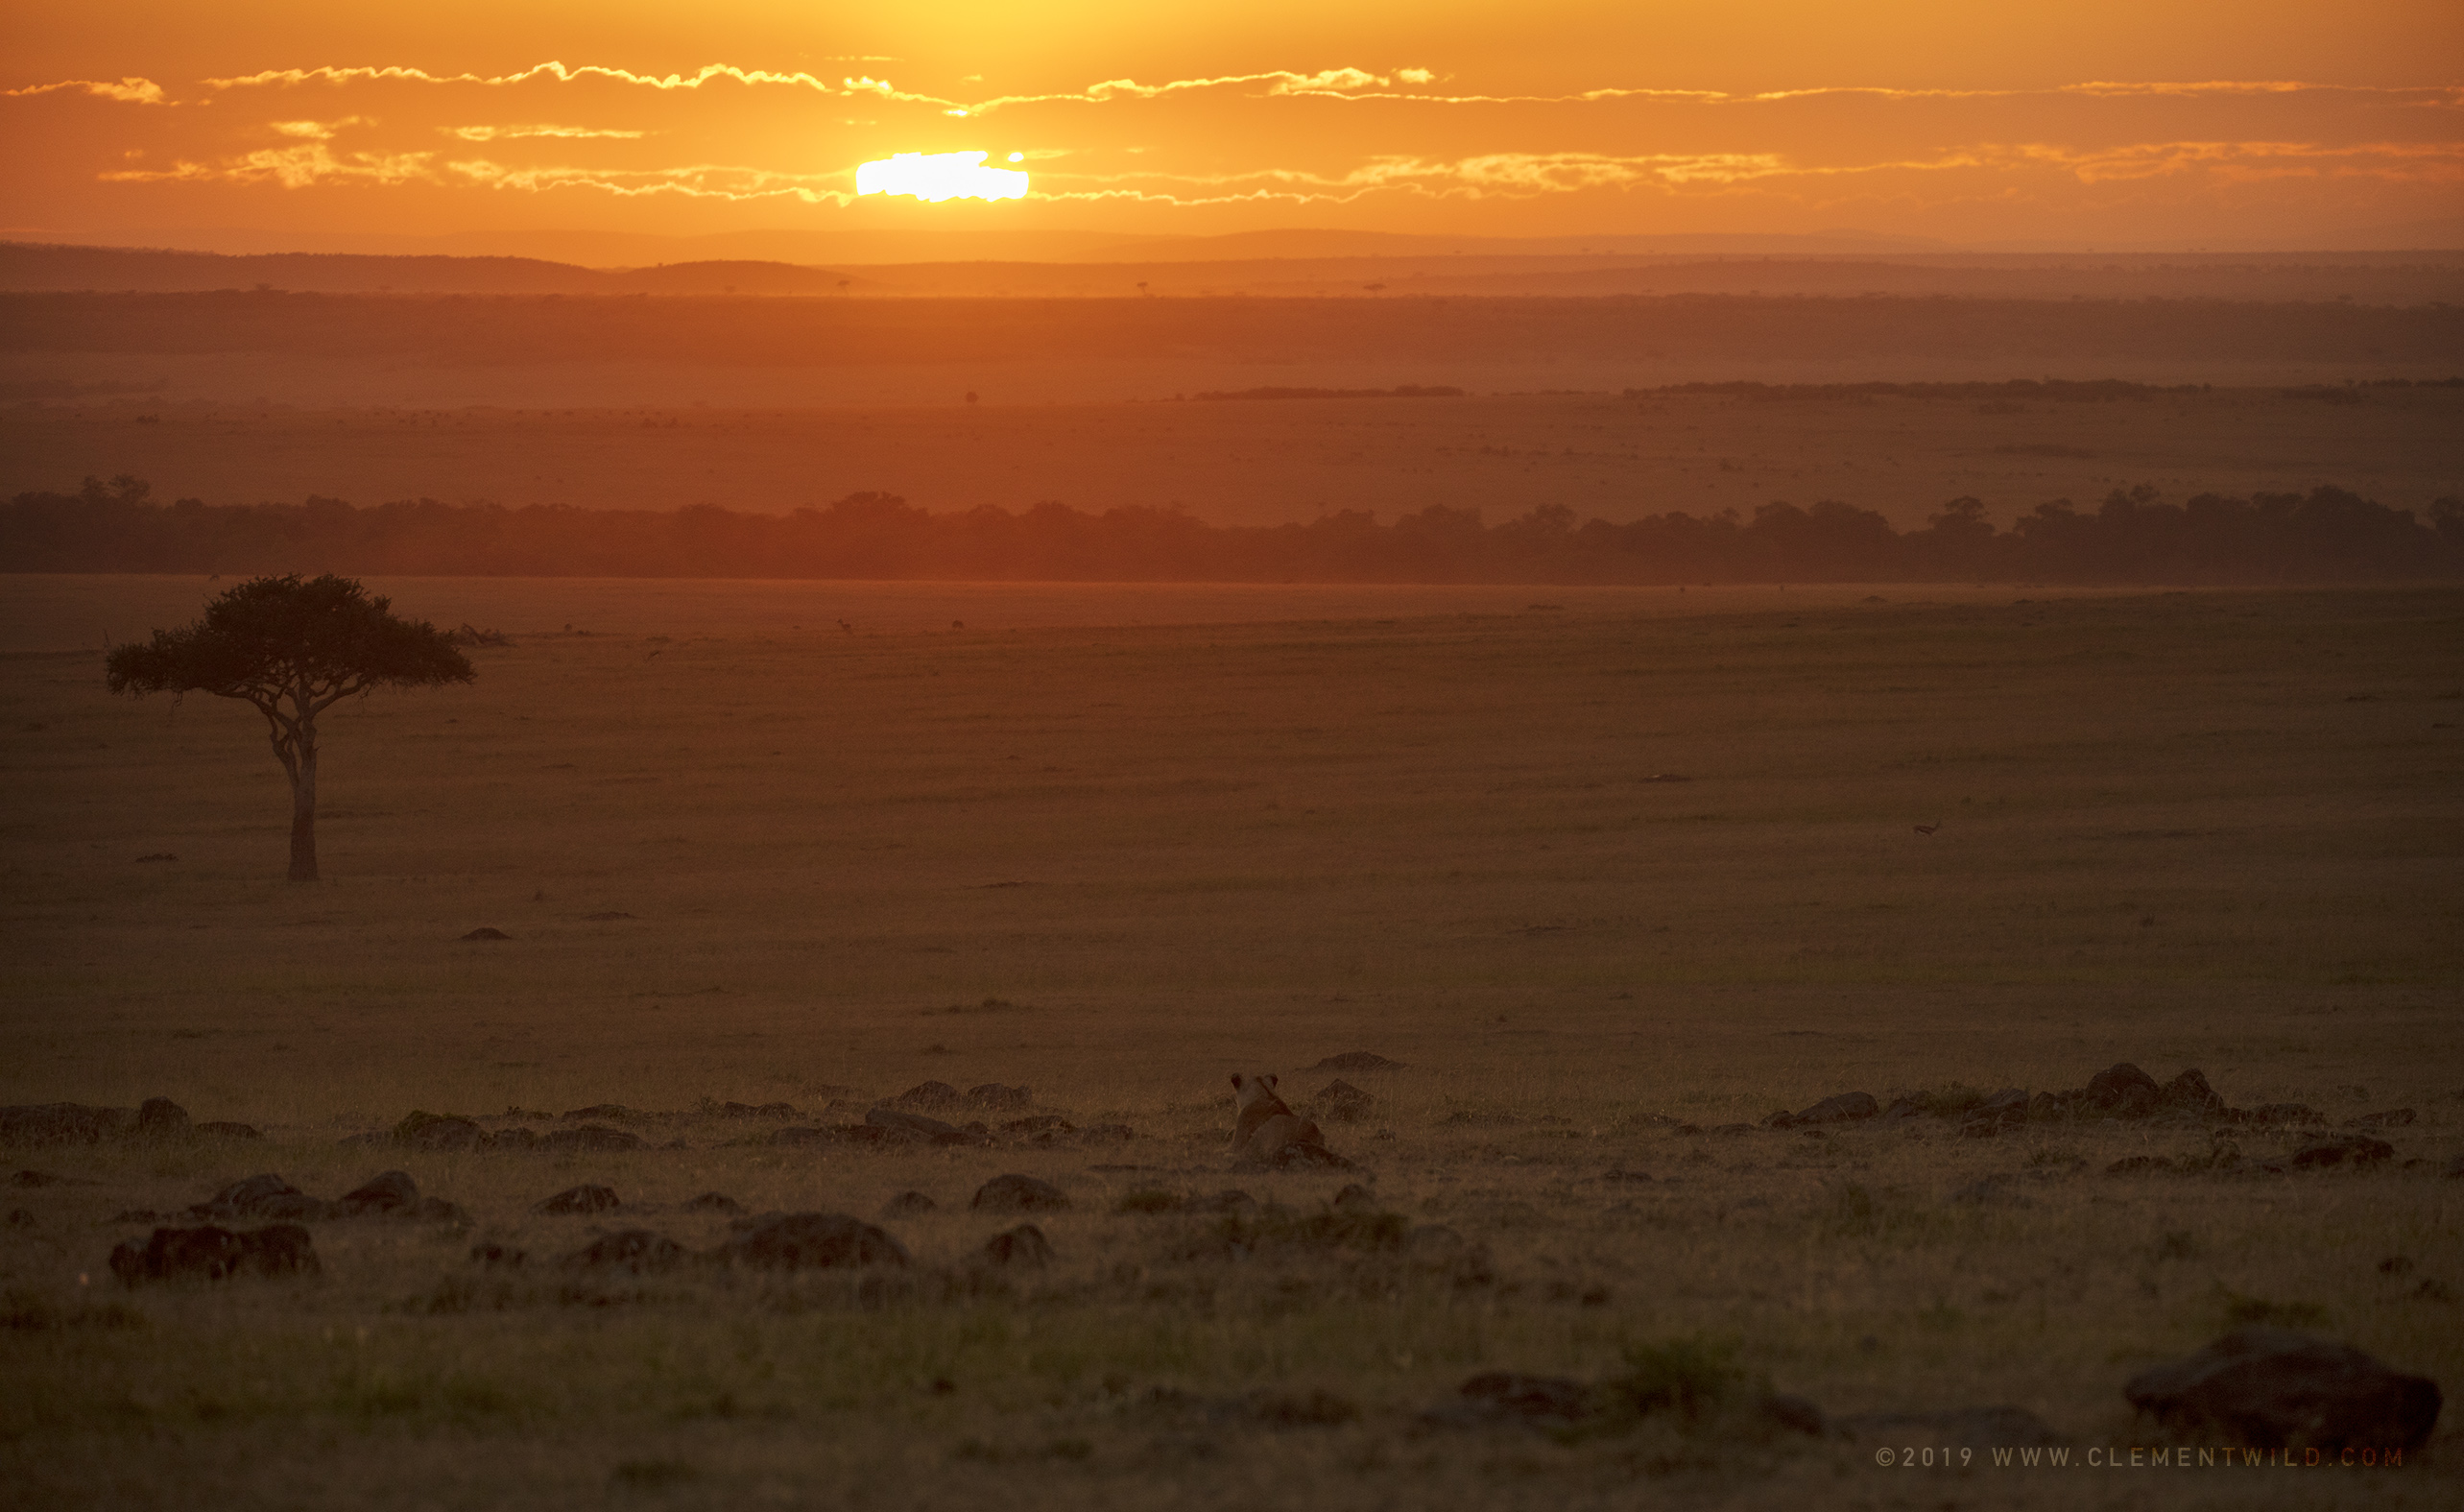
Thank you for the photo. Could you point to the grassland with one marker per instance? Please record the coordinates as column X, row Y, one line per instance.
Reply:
column 1115, row 861
column 1265, row 462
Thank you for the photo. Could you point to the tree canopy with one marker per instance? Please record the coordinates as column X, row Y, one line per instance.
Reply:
column 293, row 647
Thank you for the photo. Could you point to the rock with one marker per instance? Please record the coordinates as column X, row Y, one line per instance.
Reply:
column 2286, row 1113
column 225, row 1129
column 767, row 1110
column 2274, row 1388
column 1341, row 1102
column 2391, row 1118
column 715, row 1202
column 914, row 1126
column 2360, row 1149
column 1024, row 1245
column 591, row 1137
column 579, row 1200
column 1358, row 1061
column 2043, row 1105
column 2123, row 1090
column 211, row 1253
column 497, row 1257
column 486, row 932
column 392, row 1193
column 267, row 1197
column 436, row 1209
column 2005, row 1109
column 614, row 1111
column 927, row 1094
column 907, row 1205
column 1039, row 1123
column 1016, row 1194
column 1503, row 1397
column 64, row 1124
column 992, row 1096
column 1795, row 1414
column 1354, row 1198
column 1903, row 1110
column 639, row 1250
column 159, row 1117
column 813, row 1240
column 1977, row 1429
column 431, row 1131
column 1844, row 1108
column 2190, row 1094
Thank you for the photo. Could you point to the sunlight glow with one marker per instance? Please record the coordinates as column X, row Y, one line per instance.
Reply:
column 942, row 176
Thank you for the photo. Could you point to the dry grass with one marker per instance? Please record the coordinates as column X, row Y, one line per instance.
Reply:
column 1245, row 846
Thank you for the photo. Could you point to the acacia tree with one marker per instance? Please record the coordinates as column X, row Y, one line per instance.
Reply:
column 293, row 648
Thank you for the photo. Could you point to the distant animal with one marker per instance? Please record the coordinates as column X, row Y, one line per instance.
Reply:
column 654, row 656
column 1926, row 830
column 1266, row 1126
column 844, row 625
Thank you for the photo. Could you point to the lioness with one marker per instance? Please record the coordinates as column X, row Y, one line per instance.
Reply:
column 1266, row 1127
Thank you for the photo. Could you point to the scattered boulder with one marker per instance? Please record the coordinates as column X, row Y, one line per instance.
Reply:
column 267, row 1197
column 642, row 1252
column 1017, row 1194
column 1501, row 1397
column 813, row 1240
column 2005, row 1109
column 225, row 1129
column 992, row 1096
column 434, row 1131
column 212, row 1252
column 715, row 1202
column 580, row 1200
column 159, row 1117
column 914, row 1127
column 487, row 932
column 613, row 1112
column 2190, row 1094
column 1024, row 1245
column 591, row 1137
column 2276, row 1388
column 1960, row 1427
column 2357, row 1149
column 1844, row 1108
column 2286, row 1113
column 389, row 1193
column 64, row 1124
column 927, row 1094
column 1341, row 1102
column 1354, row 1198
column 1796, row 1415
column 908, row 1205
column 746, row 1110
column 2390, row 1119
column 513, row 1139
column 1358, row 1061
column 2123, row 1090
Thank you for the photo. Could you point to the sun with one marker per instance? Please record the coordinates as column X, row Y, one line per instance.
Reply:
column 934, row 177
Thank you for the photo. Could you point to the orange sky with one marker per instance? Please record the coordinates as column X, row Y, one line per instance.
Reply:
column 2148, row 123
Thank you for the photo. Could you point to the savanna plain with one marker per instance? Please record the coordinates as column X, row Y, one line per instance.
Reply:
column 1610, row 874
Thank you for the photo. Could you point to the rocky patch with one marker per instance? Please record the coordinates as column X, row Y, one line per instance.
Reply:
column 213, row 1252
column 2276, row 1388
column 1017, row 1194
column 1358, row 1061
column 1022, row 1246
column 578, row 1200
column 812, row 1240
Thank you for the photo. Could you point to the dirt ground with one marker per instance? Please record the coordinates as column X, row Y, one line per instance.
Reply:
column 1268, row 462
column 1598, row 872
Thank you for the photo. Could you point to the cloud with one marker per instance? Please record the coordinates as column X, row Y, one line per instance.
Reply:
column 292, row 168
column 130, row 91
column 497, row 133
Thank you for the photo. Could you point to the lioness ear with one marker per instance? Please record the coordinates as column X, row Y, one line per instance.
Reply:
column 1270, row 1082
column 1235, row 1081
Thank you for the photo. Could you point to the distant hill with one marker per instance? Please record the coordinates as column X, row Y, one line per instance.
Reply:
column 35, row 267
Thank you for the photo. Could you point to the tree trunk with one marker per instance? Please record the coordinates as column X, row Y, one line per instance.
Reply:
column 304, row 808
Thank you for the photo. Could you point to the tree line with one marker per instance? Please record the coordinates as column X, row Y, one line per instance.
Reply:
column 2324, row 534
